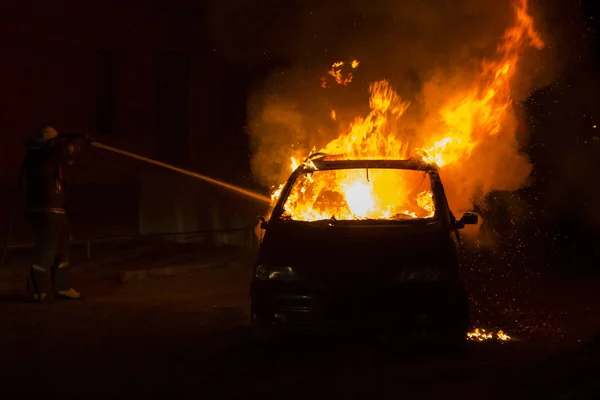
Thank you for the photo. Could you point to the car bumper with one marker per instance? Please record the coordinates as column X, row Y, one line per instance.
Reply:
column 295, row 306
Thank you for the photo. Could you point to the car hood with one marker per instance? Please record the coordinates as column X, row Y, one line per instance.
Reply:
column 320, row 250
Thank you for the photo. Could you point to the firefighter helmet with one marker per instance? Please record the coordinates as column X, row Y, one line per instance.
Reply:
column 49, row 133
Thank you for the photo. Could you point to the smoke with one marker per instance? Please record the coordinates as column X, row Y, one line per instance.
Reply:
column 430, row 51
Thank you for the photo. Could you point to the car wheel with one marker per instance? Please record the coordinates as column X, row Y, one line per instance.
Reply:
column 456, row 326
column 263, row 332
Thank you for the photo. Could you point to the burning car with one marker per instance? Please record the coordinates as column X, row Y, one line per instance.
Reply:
column 362, row 245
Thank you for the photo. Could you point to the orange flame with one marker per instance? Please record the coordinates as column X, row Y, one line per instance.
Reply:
column 336, row 73
column 359, row 194
column 482, row 111
column 465, row 122
column 481, row 335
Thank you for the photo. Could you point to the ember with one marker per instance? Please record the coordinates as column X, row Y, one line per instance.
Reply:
column 336, row 73
column 482, row 335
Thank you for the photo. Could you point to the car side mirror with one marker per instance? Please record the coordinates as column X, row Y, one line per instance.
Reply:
column 470, row 219
column 467, row 219
column 263, row 222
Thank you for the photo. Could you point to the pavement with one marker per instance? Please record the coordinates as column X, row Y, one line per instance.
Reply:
column 129, row 262
column 187, row 335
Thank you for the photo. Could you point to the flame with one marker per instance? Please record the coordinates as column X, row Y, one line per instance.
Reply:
column 358, row 194
column 425, row 201
column 359, row 197
column 336, row 73
column 370, row 137
column 465, row 121
column 481, row 112
column 482, row 335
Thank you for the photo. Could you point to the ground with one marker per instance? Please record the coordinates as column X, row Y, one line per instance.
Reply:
column 188, row 336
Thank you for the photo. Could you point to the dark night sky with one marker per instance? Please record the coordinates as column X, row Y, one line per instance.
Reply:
column 591, row 9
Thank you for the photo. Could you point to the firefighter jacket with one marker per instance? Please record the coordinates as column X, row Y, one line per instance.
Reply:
column 43, row 170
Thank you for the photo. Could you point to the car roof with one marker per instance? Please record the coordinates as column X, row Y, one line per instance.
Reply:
column 322, row 161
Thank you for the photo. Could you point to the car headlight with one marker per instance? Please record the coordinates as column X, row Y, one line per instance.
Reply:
column 281, row 273
column 261, row 273
column 275, row 273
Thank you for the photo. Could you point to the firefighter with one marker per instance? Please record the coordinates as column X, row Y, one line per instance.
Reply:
column 45, row 192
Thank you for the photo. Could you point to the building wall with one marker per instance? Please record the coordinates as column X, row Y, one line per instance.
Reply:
column 49, row 75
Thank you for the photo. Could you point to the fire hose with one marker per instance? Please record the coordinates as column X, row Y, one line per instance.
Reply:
column 229, row 186
column 184, row 171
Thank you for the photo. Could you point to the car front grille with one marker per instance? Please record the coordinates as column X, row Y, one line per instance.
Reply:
column 298, row 303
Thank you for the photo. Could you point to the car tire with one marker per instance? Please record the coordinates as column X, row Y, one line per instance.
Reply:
column 263, row 332
column 456, row 326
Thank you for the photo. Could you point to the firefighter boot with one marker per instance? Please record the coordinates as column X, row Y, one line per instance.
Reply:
column 62, row 282
column 39, row 284
column 70, row 294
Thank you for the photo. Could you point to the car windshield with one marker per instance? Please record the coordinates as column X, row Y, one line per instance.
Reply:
column 359, row 194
